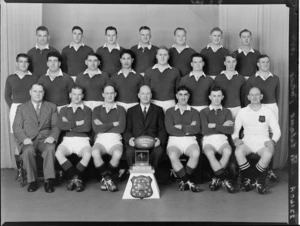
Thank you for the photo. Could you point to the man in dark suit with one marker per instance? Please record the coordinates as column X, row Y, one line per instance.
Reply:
column 35, row 129
column 145, row 119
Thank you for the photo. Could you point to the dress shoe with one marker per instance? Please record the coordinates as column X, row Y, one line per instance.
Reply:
column 49, row 186
column 33, row 186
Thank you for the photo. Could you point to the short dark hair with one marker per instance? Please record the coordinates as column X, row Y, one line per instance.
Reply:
column 110, row 28
column 127, row 51
column 77, row 28
column 24, row 55
column 54, row 54
column 107, row 86
column 262, row 56
column 245, row 30
column 215, row 89
column 230, row 55
column 216, row 29
column 77, row 87
column 197, row 55
column 42, row 28
column 144, row 28
column 183, row 88
column 179, row 29
column 93, row 54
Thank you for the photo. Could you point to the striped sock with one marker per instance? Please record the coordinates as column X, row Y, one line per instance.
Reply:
column 245, row 170
column 258, row 170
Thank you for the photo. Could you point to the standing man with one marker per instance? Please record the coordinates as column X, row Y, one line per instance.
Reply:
column 145, row 52
column 57, row 85
column 127, row 82
column 38, row 54
column 216, row 123
column 233, row 84
column 16, row 92
column 145, row 119
column 198, row 83
column 75, row 54
column 215, row 53
column 246, row 56
column 256, row 119
column 163, row 80
column 180, row 53
column 267, row 83
column 110, row 52
column 76, row 121
column 109, row 122
column 93, row 81
column 182, row 124
column 35, row 129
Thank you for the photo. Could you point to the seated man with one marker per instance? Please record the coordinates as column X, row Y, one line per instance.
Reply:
column 109, row 121
column 35, row 129
column 182, row 124
column 256, row 119
column 75, row 119
column 216, row 123
column 145, row 119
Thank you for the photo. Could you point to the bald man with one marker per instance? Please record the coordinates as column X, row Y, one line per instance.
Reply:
column 145, row 119
column 256, row 119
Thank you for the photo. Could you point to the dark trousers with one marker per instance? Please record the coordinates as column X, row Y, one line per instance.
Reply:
column 155, row 156
column 29, row 161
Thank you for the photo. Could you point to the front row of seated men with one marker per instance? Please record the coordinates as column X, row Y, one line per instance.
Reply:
column 37, row 127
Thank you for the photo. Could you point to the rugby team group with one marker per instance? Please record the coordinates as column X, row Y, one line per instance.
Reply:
column 220, row 104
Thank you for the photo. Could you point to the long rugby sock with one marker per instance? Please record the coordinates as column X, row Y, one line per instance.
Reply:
column 18, row 161
column 182, row 174
column 258, row 170
column 189, row 170
column 111, row 169
column 246, row 170
column 69, row 168
column 221, row 174
column 80, row 168
column 102, row 170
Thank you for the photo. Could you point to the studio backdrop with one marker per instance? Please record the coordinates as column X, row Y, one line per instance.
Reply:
column 269, row 25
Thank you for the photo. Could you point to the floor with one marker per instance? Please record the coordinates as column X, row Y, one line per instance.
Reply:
column 17, row 205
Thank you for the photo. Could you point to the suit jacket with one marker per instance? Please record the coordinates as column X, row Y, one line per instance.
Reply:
column 28, row 125
column 153, row 125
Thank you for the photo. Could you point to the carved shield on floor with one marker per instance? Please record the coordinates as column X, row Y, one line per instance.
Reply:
column 141, row 187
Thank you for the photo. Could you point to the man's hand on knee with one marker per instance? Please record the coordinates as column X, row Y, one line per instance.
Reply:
column 49, row 140
column 269, row 144
column 27, row 141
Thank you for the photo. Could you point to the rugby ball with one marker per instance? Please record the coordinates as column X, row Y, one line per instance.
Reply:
column 144, row 142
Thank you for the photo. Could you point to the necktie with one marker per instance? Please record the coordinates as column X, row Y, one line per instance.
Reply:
column 145, row 112
column 38, row 108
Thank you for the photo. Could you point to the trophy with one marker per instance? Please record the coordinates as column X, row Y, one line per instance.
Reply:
column 142, row 183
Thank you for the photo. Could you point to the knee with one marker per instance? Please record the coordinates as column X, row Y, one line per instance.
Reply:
column 28, row 150
column 268, row 154
column 209, row 153
column 95, row 153
column 239, row 153
column 117, row 154
column 49, row 148
column 195, row 154
column 173, row 156
column 227, row 151
column 87, row 154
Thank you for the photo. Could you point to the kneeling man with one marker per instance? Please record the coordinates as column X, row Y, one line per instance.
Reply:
column 109, row 121
column 216, row 123
column 257, row 120
column 75, row 120
column 182, row 124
